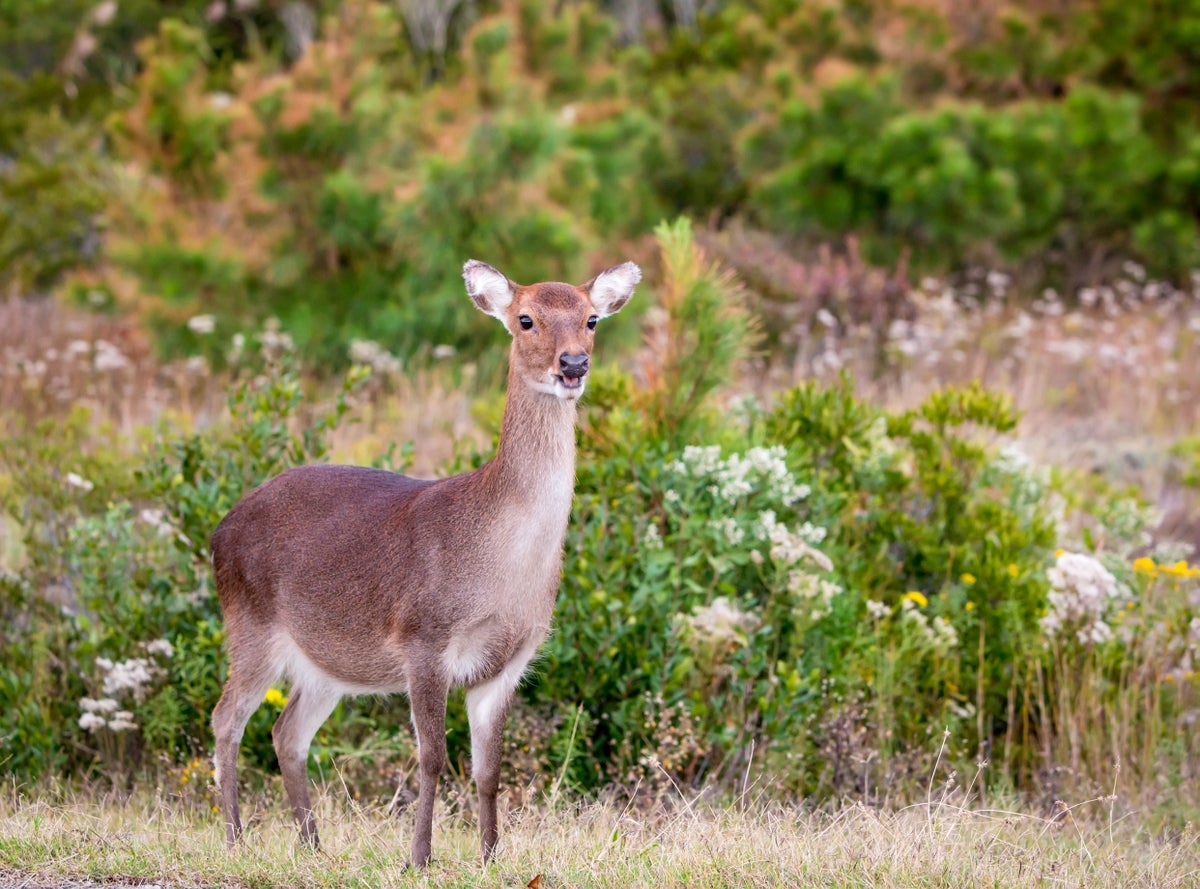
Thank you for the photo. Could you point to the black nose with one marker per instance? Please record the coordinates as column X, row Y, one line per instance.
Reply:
column 573, row 366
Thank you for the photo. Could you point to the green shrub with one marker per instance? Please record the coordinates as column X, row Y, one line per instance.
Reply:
column 112, row 639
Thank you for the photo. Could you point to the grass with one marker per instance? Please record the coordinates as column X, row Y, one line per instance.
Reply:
column 46, row 841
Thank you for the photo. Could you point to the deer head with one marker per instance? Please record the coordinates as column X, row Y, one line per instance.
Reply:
column 552, row 325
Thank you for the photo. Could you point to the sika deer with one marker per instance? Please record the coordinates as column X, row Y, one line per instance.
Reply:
column 350, row 580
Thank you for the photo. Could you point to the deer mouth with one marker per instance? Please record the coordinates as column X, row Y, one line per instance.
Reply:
column 569, row 383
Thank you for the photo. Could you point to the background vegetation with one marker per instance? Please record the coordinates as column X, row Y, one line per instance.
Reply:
column 806, row 552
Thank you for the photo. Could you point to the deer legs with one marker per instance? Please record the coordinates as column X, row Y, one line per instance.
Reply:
column 307, row 708
column 428, row 704
column 487, row 710
column 243, row 693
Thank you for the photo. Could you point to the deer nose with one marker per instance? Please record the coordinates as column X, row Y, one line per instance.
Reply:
column 573, row 366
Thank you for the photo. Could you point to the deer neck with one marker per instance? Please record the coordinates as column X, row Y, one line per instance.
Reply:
column 535, row 461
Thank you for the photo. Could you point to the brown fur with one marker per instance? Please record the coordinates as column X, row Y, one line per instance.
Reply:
column 349, row 580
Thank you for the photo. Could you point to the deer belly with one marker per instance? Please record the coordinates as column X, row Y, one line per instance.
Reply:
column 350, row 669
column 487, row 648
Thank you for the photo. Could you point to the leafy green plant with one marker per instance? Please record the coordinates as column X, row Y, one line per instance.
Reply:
column 113, row 643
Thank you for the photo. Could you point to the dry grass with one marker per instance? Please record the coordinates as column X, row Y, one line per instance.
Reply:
column 54, row 358
column 68, row 842
column 1106, row 378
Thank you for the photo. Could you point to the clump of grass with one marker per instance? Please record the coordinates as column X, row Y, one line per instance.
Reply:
column 48, row 837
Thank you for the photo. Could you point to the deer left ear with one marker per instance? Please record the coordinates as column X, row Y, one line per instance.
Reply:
column 611, row 289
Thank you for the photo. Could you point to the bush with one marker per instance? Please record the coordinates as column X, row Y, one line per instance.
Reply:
column 112, row 639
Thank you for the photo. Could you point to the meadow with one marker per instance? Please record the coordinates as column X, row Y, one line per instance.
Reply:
column 884, row 563
column 147, row 840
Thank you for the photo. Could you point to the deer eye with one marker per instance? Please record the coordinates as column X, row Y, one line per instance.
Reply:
column 592, row 322
column 526, row 322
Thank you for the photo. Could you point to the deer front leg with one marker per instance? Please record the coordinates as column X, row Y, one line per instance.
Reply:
column 428, row 703
column 487, row 710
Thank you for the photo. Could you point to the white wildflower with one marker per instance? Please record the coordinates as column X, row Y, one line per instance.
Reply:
column 998, row 281
column 442, row 351
column 75, row 480
column 812, row 533
column 653, row 539
column 157, row 519
column 877, row 609
column 722, row 621
column 697, row 461
column 77, row 349
column 104, row 705
column 91, row 722
column 732, row 531
column 375, row 356
column 160, row 647
column 815, row 592
column 738, row 476
column 945, row 636
column 1133, row 270
column 1081, row 590
column 671, row 497
column 202, row 325
column 196, row 366
column 109, row 357
column 122, row 721
column 275, row 342
column 133, row 675
column 788, row 548
column 237, row 345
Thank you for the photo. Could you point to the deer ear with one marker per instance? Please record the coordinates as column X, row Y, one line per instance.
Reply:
column 489, row 290
column 611, row 289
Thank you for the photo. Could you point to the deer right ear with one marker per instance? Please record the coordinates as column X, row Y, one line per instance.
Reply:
column 491, row 291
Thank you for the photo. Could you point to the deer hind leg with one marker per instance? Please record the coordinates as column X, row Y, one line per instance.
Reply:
column 307, row 708
column 243, row 692
column 428, row 704
column 487, row 710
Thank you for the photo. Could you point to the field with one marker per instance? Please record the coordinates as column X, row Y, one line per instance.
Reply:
column 143, row 840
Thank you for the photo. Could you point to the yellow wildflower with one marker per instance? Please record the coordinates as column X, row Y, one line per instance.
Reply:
column 1179, row 569
column 1145, row 565
column 968, row 579
column 275, row 698
column 1013, row 570
column 917, row 598
column 1058, row 553
column 970, row 606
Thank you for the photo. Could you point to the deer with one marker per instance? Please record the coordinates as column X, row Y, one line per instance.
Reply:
column 348, row 580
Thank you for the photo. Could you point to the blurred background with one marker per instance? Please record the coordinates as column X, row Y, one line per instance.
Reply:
column 923, row 279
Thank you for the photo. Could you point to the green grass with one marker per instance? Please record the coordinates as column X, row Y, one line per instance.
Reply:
column 51, row 842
